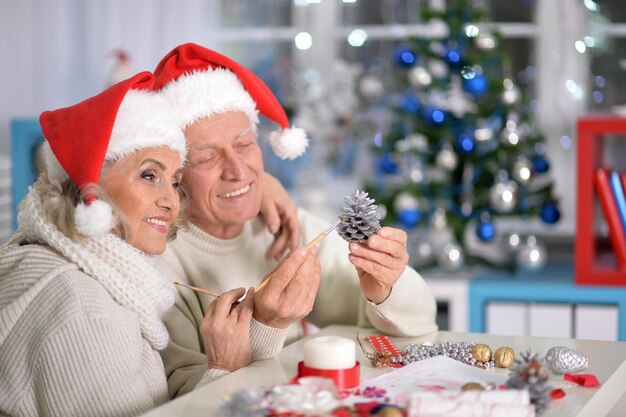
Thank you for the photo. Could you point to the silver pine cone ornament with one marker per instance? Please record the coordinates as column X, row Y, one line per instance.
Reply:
column 359, row 219
column 563, row 360
column 529, row 373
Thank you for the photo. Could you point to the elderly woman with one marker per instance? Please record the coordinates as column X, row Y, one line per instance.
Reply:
column 217, row 102
column 80, row 297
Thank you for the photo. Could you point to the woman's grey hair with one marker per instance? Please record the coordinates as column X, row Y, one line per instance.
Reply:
column 61, row 198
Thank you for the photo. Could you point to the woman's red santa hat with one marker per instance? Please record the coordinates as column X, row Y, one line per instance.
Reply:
column 125, row 118
column 200, row 82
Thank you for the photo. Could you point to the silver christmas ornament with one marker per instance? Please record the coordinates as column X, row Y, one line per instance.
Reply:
column 372, row 88
column 405, row 201
column 528, row 373
column 451, row 257
column 447, row 158
column 511, row 93
column 522, row 170
column 563, row 360
column 438, row 69
column 423, row 254
column 512, row 241
column 532, row 256
column 420, row 77
column 359, row 219
column 460, row 351
column 504, row 195
column 486, row 41
column 438, row 220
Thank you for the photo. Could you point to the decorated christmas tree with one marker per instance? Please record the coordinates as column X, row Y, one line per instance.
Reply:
column 462, row 152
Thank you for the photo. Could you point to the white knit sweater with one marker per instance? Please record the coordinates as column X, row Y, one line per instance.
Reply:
column 220, row 265
column 66, row 347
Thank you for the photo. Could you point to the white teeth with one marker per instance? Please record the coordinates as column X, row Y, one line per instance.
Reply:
column 157, row 221
column 236, row 193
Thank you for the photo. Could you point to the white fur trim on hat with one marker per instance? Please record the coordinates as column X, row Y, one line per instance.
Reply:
column 53, row 167
column 145, row 120
column 204, row 93
column 289, row 143
column 93, row 219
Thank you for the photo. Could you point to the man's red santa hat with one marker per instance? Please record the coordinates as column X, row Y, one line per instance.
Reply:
column 200, row 82
column 125, row 118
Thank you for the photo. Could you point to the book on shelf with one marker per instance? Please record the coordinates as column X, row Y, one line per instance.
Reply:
column 618, row 195
column 604, row 189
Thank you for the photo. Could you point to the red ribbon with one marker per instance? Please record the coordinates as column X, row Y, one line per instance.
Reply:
column 384, row 344
column 557, row 393
column 585, row 380
column 343, row 378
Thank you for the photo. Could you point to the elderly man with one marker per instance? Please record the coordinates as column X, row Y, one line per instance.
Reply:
column 217, row 102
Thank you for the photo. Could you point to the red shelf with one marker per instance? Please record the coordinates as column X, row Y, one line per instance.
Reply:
column 593, row 266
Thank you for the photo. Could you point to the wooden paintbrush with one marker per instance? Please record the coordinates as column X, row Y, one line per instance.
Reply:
column 309, row 245
column 200, row 290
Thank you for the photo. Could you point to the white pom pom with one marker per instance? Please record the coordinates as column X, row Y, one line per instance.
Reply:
column 93, row 219
column 289, row 143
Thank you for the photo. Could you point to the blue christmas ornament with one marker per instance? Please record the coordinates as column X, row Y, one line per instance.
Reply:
column 540, row 164
column 453, row 56
column 387, row 164
column 409, row 217
column 410, row 103
column 465, row 143
column 550, row 213
column 434, row 116
column 476, row 86
column 485, row 230
column 404, row 56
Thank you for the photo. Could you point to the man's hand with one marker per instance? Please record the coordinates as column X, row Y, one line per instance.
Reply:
column 290, row 293
column 379, row 262
column 225, row 330
column 280, row 214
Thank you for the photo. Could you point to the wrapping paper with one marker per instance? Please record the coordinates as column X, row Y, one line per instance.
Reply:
column 505, row 403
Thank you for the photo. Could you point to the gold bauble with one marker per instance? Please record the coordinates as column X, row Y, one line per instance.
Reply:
column 389, row 411
column 472, row 386
column 504, row 356
column 481, row 352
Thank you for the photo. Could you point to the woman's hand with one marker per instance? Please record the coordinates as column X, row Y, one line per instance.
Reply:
column 379, row 262
column 280, row 214
column 225, row 330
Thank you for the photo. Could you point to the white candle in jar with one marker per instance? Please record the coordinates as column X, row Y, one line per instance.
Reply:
column 330, row 352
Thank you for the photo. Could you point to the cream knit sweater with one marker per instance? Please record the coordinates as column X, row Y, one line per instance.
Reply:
column 66, row 347
column 220, row 265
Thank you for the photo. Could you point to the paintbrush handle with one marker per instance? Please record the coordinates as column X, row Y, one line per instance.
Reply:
column 197, row 289
column 309, row 245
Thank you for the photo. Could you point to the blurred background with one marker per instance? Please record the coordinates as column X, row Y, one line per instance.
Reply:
column 459, row 117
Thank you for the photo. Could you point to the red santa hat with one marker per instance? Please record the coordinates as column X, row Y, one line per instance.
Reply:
column 200, row 82
column 126, row 117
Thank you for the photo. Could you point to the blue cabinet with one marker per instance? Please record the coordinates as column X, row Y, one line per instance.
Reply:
column 531, row 302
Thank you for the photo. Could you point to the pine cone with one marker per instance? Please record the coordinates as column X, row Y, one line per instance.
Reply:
column 359, row 219
column 528, row 373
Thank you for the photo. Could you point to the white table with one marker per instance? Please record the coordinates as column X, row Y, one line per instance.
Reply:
column 606, row 361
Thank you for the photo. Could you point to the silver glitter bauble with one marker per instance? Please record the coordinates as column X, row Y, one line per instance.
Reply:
column 420, row 77
column 423, row 254
column 405, row 201
column 504, row 195
column 359, row 219
column 438, row 69
column 512, row 241
column 563, row 360
column 522, row 170
column 532, row 256
column 372, row 88
column 486, row 41
column 438, row 220
column 447, row 158
column 451, row 257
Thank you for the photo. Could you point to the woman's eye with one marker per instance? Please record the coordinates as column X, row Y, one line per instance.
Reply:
column 175, row 183
column 148, row 176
